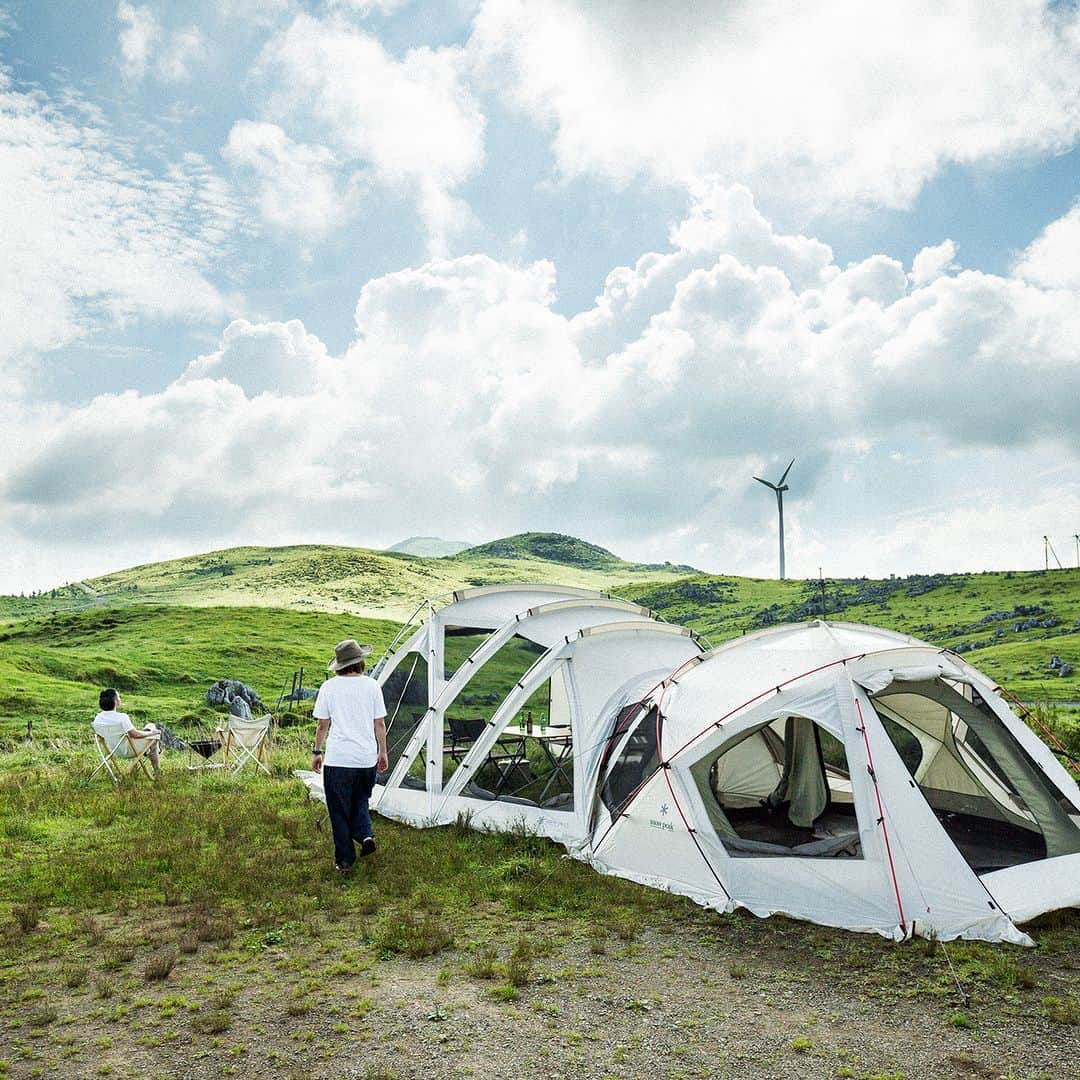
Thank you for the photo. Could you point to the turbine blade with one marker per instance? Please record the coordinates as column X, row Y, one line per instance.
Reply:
column 787, row 470
column 765, row 482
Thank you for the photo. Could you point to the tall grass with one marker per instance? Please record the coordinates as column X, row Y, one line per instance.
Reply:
column 254, row 849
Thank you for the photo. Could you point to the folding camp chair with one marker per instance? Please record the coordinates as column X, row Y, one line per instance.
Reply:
column 247, row 740
column 115, row 745
column 463, row 733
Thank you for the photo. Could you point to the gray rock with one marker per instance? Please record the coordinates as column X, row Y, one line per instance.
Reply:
column 239, row 708
column 225, row 691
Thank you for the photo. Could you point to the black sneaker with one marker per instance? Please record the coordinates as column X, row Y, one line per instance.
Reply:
column 343, row 868
column 367, row 846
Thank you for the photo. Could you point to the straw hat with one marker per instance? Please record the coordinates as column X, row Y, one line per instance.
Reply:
column 347, row 653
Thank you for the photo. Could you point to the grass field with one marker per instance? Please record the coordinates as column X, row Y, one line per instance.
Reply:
column 162, row 659
column 195, row 928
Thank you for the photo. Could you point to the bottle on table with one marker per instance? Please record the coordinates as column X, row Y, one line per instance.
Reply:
column 521, row 721
column 543, row 723
column 528, row 722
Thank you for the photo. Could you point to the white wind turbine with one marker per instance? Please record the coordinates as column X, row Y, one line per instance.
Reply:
column 780, row 487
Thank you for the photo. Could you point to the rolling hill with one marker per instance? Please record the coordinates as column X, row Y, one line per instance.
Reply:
column 356, row 581
column 165, row 630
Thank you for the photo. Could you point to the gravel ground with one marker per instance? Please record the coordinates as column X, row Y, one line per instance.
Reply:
column 730, row 998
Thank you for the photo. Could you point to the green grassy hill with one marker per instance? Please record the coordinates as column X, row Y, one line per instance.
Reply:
column 567, row 551
column 1008, row 624
column 163, row 632
column 162, row 660
column 343, row 580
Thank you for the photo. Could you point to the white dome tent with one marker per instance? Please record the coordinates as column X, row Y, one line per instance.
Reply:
column 843, row 774
column 847, row 775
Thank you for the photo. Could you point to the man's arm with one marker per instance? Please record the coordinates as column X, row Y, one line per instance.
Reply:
column 320, row 741
column 380, row 738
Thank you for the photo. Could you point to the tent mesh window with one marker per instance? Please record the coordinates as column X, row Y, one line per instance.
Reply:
column 459, row 643
column 781, row 789
column 506, row 771
column 405, row 693
column 996, row 804
column 637, row 760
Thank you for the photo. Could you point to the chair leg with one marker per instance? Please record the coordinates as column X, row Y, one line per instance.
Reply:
column 107, row 767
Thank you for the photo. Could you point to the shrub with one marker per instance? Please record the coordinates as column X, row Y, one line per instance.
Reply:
column 212, row 1022
column 485, row 966
column 27, row 916
column 159, row 967
column 414, row 935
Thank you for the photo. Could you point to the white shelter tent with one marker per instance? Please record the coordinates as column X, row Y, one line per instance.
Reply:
column 567, row 653
column 844, row 774
column 847, row 775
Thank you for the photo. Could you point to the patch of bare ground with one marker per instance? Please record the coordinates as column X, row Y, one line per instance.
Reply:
column 183, row 992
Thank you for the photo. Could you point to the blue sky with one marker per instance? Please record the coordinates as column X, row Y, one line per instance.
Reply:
column 351, row 270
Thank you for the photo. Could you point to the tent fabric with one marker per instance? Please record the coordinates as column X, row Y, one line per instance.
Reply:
column 802, row 785
column 674, row 751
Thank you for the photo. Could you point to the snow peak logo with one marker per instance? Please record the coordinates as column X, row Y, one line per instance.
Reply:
column 665, row 825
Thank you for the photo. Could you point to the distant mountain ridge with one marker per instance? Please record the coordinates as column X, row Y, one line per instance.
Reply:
column 567, row 550
column 428, row 547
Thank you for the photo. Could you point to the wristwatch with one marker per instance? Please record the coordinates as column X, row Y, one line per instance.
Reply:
column 316, row 750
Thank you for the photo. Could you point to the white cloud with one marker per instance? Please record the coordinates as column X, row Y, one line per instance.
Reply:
column 145, row 46
column 184, row 48
column 468, row 406
column 268, row 358
column 139, row 37
column 91, row 240
column 1053, row 258
column 368, row 7
column 932, row 262
column 295, row 186
column 413, row 122
column 832, row 105
column 256, row 13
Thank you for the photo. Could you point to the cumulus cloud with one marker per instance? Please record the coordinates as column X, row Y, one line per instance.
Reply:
column 294, row 185
column 467, row 401
column 265, row 358
column 833, row 105
column 90, row 239
column 932, row 262
column 412, row 122
column 1053, row 258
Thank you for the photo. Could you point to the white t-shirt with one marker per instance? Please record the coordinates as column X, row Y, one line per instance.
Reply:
column 352, row 704
column 111, row 716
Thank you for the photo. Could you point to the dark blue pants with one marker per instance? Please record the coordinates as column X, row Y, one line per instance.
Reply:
column 347, row 793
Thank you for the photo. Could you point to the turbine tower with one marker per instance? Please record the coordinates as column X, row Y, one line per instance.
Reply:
column 780, row 487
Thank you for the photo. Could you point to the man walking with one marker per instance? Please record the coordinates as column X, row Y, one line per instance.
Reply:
column 350, row 707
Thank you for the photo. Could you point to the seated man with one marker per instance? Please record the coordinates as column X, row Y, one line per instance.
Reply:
column 109, row 702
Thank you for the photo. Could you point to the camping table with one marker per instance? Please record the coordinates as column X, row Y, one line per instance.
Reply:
column 556, row 743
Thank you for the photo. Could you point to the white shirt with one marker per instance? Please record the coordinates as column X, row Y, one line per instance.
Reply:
column 111, row 717
column 352, row 704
